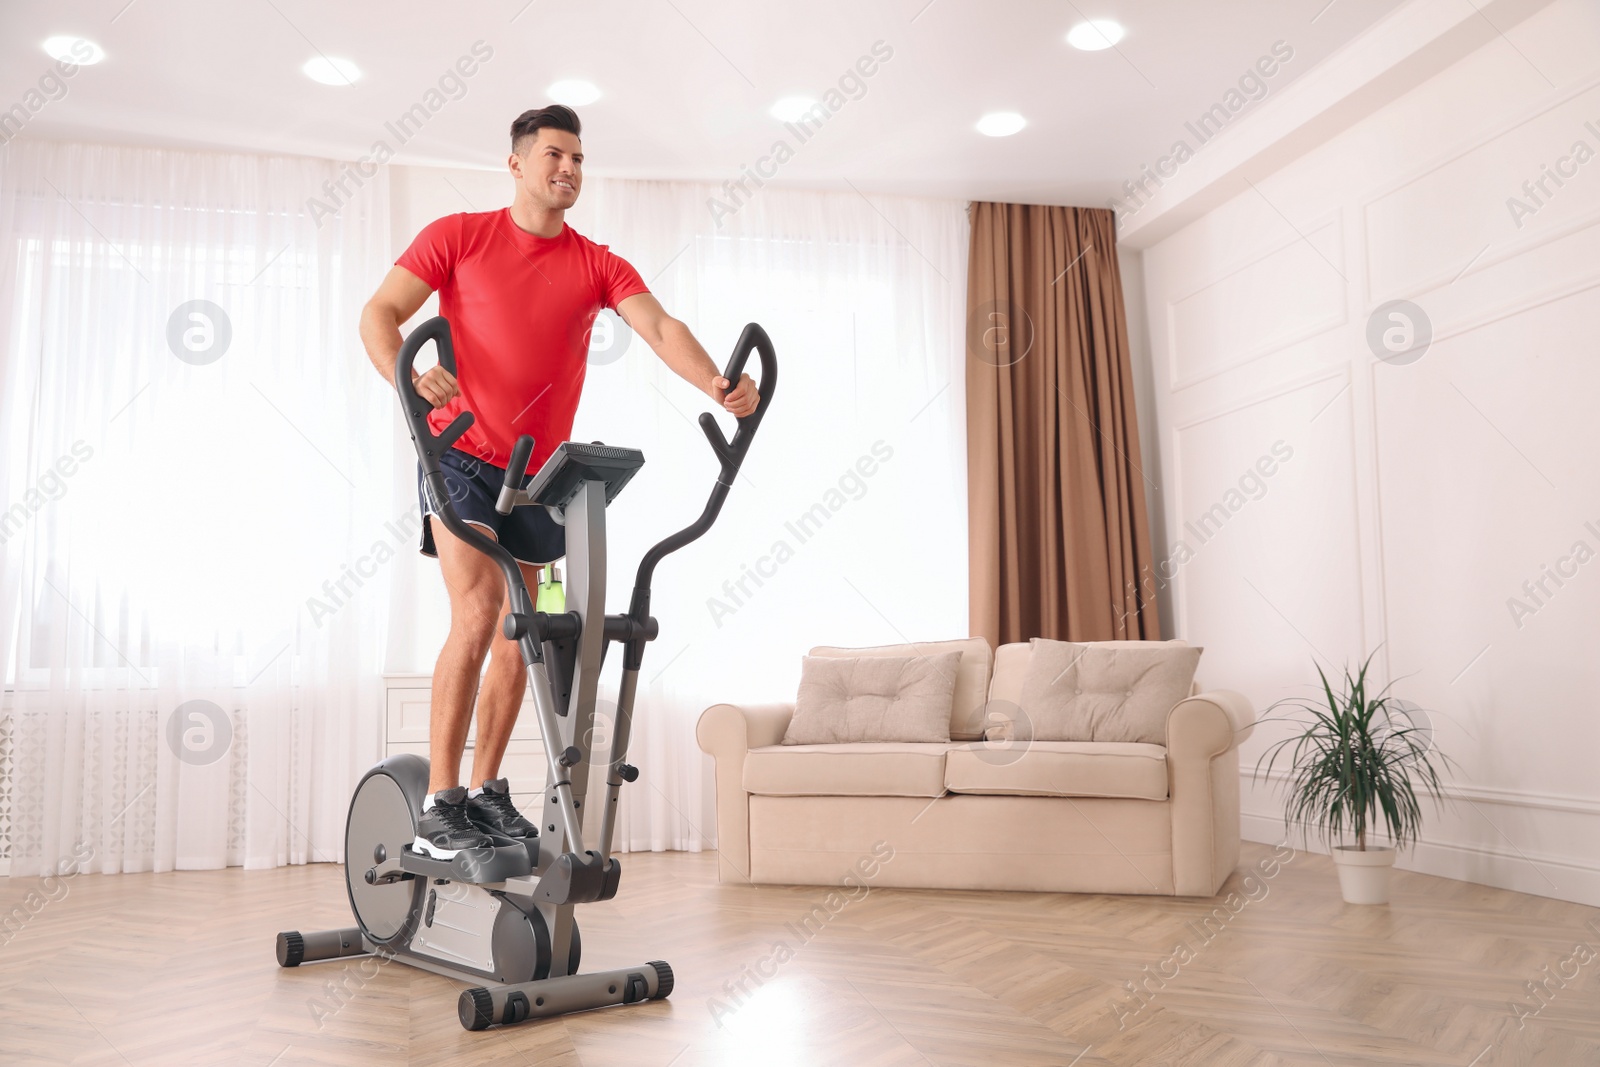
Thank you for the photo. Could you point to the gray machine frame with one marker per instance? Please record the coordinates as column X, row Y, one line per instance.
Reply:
column 503, row 917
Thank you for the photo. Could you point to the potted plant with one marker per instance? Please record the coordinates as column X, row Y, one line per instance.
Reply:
column 1351, row 772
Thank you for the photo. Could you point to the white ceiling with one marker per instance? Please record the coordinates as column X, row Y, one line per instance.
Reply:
column 687, row 83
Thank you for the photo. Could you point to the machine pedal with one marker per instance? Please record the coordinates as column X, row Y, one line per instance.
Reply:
column 475, row 866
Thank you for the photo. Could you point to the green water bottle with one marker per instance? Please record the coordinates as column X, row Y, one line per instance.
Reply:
column 551, row 599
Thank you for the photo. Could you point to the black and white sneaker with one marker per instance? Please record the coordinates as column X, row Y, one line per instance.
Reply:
column 445, row 829
column 492, row 811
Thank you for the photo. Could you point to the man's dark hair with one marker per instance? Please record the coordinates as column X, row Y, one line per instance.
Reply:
column 556, row 117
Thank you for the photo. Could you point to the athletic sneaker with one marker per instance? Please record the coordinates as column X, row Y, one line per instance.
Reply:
column 445, row 829
column 492, row 810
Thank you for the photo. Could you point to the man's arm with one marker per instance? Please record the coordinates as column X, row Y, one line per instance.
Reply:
column 672, row 341
column 397, row 299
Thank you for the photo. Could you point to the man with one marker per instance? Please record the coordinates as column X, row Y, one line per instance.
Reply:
column 521, row 290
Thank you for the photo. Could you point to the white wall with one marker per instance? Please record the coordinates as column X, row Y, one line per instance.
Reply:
column 1131, row 264
column 1418, row 498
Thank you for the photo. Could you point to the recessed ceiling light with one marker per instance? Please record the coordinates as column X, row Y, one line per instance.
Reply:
column 574, row 92
column 792, row 108
column 1095, row 34
column 78, row 50
column 1001, row 123
column 329, row 70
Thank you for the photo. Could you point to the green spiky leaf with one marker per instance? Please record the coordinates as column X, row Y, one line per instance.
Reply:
column 1352, row 768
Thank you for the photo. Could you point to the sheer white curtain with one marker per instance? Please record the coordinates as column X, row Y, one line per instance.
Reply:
column 197, row 484
column 848, row 525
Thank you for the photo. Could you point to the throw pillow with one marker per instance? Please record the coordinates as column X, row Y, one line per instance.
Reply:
column 1076, row 691
column 873, row 698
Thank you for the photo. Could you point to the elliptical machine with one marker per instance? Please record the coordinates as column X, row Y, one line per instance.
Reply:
column 502, row 917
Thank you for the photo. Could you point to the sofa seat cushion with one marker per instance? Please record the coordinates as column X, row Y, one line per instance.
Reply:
column 862, row 769
column 1059, row 769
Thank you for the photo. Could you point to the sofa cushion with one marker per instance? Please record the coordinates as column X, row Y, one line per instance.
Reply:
column 1091, row 692
column 873, row 698
column 1059, row 769
column 972, row 676
column 865, row 769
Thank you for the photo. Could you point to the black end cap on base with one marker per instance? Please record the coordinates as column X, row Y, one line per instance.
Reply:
column 475, row 1008
column 663, row 979
column 291, row 949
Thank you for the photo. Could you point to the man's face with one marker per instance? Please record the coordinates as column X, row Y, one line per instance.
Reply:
column 550, row 168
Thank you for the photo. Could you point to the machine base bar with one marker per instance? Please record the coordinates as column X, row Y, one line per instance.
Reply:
column 295, row 948
column 505, row 1005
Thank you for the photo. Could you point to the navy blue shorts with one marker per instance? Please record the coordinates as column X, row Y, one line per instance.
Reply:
column 528, row 533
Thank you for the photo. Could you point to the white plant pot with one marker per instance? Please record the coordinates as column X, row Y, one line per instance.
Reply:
column 1364, row 875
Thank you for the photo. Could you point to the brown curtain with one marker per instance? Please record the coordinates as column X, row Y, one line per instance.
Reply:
column 1058, row 530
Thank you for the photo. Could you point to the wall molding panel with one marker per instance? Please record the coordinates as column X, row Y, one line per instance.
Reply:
column 1417, row 517
column 1238, row 277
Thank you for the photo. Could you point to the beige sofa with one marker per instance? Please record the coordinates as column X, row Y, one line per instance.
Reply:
column 1062, row 816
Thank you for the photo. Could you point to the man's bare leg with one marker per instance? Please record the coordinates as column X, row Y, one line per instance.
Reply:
column 500, row 699
column 476, row 590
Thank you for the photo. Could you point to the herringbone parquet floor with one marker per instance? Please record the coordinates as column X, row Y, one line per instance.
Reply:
column 178, row 969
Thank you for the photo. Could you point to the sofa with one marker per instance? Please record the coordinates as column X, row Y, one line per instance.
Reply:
column 973, row 813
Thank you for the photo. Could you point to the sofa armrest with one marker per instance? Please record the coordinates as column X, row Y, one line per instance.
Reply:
column 1203, row 735
column 1210, row 723
column 735, row 729
column 726, row 732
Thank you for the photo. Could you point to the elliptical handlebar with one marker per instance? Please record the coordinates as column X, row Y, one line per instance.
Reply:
column 431, row 446
column 516, row 472
column 729, row 453
column 415, row 408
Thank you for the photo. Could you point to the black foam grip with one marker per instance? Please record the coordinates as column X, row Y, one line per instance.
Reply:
column 517, row 469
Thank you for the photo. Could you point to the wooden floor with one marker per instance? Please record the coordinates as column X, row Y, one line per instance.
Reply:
column 178, row 968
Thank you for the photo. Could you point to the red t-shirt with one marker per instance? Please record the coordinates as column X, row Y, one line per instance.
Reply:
column 520, row 309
